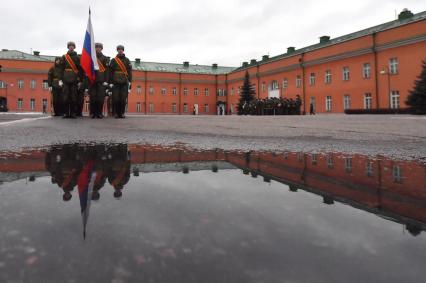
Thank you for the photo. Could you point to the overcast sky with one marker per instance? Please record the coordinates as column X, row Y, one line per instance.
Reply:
column 226, row 32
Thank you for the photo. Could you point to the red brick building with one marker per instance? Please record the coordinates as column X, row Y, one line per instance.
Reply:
column 371, row 68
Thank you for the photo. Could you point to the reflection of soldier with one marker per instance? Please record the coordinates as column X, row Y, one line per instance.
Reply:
column 71, row 75
column 63, row 165
column 119, row 173
column 101, row 168
column 53, row 78
column 98, row 89
column 120, row 79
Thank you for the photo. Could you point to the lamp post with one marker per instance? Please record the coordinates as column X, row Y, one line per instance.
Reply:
column 384, row 72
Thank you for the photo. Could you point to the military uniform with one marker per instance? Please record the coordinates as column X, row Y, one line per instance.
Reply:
column 53, row 78
column 120, row 77
column 97, row 91
column 71, row 77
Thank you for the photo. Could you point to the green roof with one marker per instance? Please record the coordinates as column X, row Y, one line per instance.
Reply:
column 385, row 26
column 142, row 66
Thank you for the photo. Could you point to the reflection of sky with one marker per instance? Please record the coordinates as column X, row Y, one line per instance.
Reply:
column 199, row 227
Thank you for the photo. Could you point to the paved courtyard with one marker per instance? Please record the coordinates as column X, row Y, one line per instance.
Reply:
column 398, row 136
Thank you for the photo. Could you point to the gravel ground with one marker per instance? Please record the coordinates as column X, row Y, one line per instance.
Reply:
column 396, row 136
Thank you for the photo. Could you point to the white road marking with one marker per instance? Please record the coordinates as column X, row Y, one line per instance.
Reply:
column 22, row 121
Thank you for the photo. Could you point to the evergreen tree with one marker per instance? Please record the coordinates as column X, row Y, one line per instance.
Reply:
column 417, row 97
column 246, row 96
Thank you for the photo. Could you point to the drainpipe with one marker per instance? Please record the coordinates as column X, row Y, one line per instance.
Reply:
column 146, row 88
column 215, row 92
column 258, row 81
column 180, row 93
column 302, row 64
column 376, row 71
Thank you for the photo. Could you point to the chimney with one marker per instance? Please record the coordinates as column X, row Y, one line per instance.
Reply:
column 291, row 49
column 324, row 39
column 36, row 53
column 265, row 57
column 245, row 64
column 4, row 49
column 138, row 61
column 186, row 64
column 214, row 66
column 253, row 61
column 405, row 14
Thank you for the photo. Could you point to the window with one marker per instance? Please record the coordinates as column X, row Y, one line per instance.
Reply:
column 312, row 79
column 151, row 107
column 185, row 91
column 174, row 107
column 300, row 156
column 151, row 90
column 298, row 81
column 20, row 83
column 138, row 107
column 314, row 159
column 328, row 102
column 393, row 66
column 206, row 108
column 367, row 101
column 394, row 99
column 330, row 162
column 263, row 86
column 195, row 91
column 45, row 86
column 185, row 108
column 163, row 91
column 138, row 90
column 285, row 83
column 348, row 164
column 206, row 92
column 313, row 103
column 33, row 84
column 346, row 101
column 274, row 85
column 239, row 90
column 32, row 103
column 346, row 73
column 20, row 103
column 366, row 71
column 174, row 91
column 2, row 84
column 369, row 168
column 327, row 79
column 397, row 174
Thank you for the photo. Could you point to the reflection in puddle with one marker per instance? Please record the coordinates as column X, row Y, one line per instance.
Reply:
column 180, row 212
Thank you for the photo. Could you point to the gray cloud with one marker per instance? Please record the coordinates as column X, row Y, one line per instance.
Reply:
column 204, row 32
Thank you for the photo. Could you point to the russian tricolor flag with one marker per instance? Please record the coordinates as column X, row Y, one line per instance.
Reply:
column 89, row 61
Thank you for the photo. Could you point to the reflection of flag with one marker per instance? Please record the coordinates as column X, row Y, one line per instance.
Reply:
column 89, row 61
column 85, row 182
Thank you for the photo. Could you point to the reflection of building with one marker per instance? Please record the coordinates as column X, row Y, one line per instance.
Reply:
column 392, row 189
column 371, row 68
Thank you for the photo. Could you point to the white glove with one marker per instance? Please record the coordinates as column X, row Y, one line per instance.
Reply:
column 79, row 85
column 111, row 85
column 60, row 83
column 105, row 84
column 50, row 88
column 86, row 90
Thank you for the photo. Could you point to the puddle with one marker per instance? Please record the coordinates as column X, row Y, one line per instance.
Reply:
column 126, row 213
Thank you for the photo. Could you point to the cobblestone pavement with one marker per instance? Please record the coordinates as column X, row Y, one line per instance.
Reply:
column 397, row 136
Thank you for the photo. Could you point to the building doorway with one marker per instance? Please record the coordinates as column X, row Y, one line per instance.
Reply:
column 3, row 104
column 195, row 111
column 221, row 109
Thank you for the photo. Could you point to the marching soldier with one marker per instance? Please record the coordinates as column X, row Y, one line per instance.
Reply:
column 71, row 77
column 120, row 81
column 53, row 78
column 98, row 89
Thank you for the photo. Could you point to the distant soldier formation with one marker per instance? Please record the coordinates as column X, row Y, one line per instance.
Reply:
column 69, row 85
column 273, row 106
